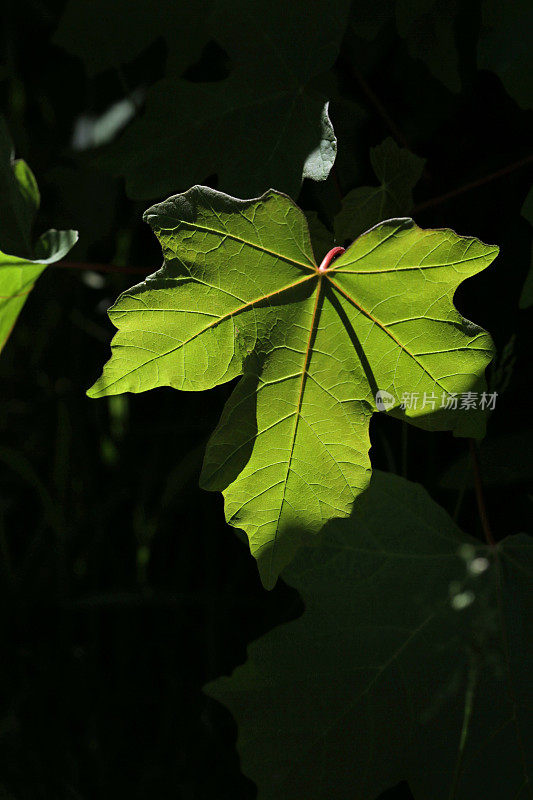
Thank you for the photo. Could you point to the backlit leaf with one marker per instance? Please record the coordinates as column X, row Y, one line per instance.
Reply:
column 241, row 293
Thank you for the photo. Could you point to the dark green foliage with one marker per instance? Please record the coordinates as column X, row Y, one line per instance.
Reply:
column 123, row 590
column 401, row 651
column 262, row 126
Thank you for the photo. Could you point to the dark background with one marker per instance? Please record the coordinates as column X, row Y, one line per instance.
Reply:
column 123, row 590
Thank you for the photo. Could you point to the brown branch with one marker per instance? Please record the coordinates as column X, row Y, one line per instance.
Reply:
column 435, row 201
column 479, row 494
column 112, row 268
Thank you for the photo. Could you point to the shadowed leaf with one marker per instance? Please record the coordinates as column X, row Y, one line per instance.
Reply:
column 398, row 668
column 264, row 125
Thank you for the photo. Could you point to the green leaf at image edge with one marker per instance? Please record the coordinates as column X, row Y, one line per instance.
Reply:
column 21, row 261
column 240, row 294
column 398, row 668
column 18, row 275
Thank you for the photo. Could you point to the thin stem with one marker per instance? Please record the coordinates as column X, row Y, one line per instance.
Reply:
column 334, row 253
column 467, row 716
column 102, row 268
column 479, row 494
column 435, row 201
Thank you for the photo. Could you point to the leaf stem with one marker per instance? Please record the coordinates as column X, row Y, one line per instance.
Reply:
column 479, row 494
column 467, row 716
column 334, row 253
column 435, row 201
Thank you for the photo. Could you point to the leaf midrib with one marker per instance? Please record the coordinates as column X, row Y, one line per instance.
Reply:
column 307, row 356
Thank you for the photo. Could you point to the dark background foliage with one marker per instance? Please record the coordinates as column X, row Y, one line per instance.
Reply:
column 123, row 591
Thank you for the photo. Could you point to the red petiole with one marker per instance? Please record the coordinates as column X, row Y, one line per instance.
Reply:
column 329, row 257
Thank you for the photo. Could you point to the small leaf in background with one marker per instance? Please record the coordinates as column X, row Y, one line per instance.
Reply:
column 241, row 293
column 21, row 261
column 398, row 171
column 526, row 298
column 264, row 125
column 398, row 668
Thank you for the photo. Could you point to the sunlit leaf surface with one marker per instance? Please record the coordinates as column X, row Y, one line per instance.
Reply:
column 240, row 293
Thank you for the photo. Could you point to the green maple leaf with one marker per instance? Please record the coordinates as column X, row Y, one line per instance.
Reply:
column 241, row 293
column 398, row 171
column 21, row 261
column 399, row 667
column 264, row 125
